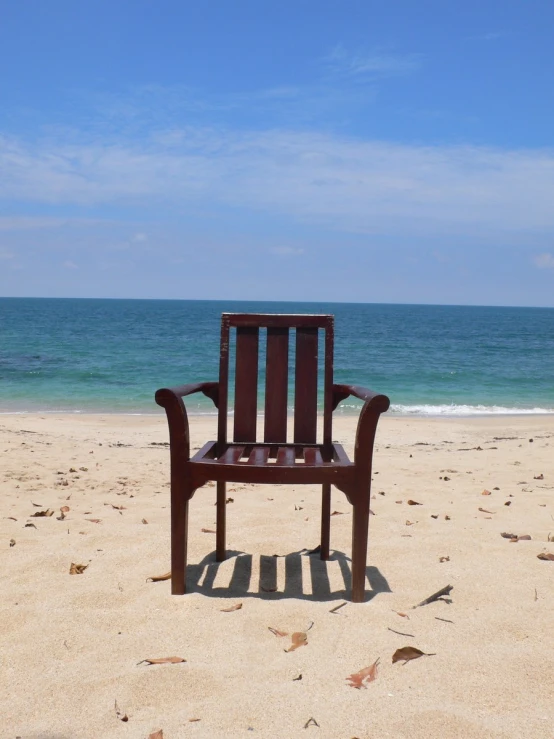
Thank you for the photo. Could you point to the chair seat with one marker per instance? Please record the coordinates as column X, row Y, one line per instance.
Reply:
column 286, row 463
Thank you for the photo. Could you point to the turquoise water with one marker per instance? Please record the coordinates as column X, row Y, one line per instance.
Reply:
column 111, row 355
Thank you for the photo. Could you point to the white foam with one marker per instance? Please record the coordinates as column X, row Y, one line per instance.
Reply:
column 466, row 410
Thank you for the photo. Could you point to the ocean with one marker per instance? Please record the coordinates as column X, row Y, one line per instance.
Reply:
column 109, row 356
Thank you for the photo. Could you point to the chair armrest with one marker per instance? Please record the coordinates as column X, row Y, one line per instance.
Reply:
column 170, row 394
column 374, row 405
column 379, row 402
column 171, row 398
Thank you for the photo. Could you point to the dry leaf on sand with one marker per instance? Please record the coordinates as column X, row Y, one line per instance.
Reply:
column 236, row 607
column 299, row 639
column 119, row 713
column 162, row 661
column 94, row 520
column 363, row 677
column 76, row 569
column 63, row 510
column 337, row 513
column 483, row 510
column 144, row 521
column 159, row 578
column 486, row 492
column 12, row 542
column 546, row 556
column 277, row 632
column 405, row 654
column 41, row 514
column 207, row 531
column 414, row 502
column 402, row 615
column 156, row 735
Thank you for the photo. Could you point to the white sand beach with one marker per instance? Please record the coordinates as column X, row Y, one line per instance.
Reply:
column 72, row 645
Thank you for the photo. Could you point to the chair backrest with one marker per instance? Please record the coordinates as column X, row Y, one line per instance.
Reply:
column 245, row 329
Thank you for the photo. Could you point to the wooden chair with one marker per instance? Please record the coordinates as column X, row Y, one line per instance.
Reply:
column 247, row 460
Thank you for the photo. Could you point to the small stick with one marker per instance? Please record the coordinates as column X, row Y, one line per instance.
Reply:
column 536, row 596
column 310, row 722
column 435, row 596
column 448, row 621
column 400, row 632
column 336, row 608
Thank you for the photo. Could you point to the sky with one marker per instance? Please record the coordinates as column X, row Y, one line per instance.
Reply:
column 314, row 150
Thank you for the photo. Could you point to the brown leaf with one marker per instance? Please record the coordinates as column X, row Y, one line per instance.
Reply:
column 228, row 500
column 434, row 516
column 94, row 520
column 310, row 722
column 538, row 477
column 77, row 569
column 362, row 678
column 12, row 542
column 524, row 537
column 63, row 510
column 193, row 720
column 483, row 510
column 409, row 523
column 444, row 559
column 277, row 632
column 447, row 518
column 236, row 607
column 156, row 735
column 299, row 639
column 42, row 514
column 28, row 525
column 486, row 492
column 548, row 556
column 207, row 531
column 119, row 713
column 405, row 654
column 144, row 521
column 505, row 535
column 337, row 513
column 162, row 661
column 11, row 518
column 414, row 502
column 402, row 615
column 159, row 578
column 116, row 507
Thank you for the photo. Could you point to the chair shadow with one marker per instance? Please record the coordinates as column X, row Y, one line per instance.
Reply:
column 240, row 584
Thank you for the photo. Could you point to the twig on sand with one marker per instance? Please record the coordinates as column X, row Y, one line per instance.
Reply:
column 435, row 596
column 448, row 621
column 310, row 722
column 336, row 608
column 400, row 632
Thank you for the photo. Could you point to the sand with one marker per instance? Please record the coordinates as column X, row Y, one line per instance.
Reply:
column 71, row 645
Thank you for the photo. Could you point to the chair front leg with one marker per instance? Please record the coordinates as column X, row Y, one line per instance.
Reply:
column 360, row 528
column 220, row 521
column 179, row 540
column 325, row 520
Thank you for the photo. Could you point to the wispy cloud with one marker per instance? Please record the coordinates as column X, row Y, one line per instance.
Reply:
column 374, row 64
column 286, row 251
column 544, row 261
column 488, row 36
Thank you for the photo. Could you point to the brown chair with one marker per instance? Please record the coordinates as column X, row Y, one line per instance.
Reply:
column 247, row 460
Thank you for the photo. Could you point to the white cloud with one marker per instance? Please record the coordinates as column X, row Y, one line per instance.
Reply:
column 544, row 261
column 378, row 63
column 345, row 184
column 286, row 251
column 139, row 237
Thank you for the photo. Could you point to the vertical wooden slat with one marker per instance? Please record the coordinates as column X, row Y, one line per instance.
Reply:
column 246, row 384
column 276, row 384
column 223, row 385
column 328, row 384
column 305, row 386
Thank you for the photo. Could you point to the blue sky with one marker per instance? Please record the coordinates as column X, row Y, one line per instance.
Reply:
column 352, row 151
